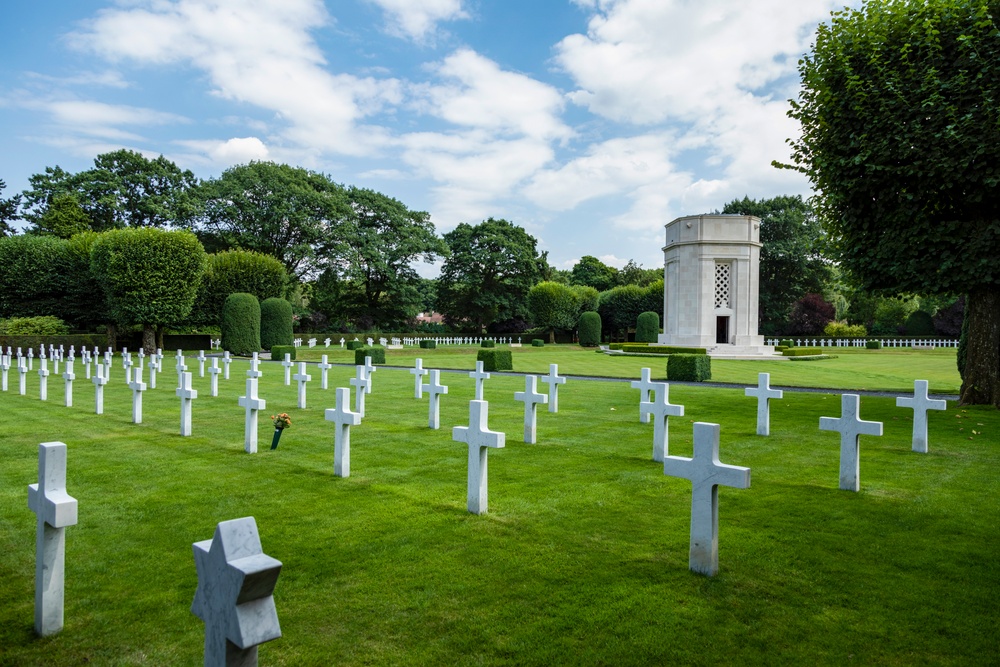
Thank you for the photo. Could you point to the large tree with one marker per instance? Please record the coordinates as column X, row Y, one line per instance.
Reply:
column 487, row 277
column 287, row 212
column 900, row 116
column 8, row 211
column 791, row 263
column 594, row 273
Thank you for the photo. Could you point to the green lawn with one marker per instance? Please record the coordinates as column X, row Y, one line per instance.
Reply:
column 582, row 559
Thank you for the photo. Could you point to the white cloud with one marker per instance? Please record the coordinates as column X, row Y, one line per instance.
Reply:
column 238, row 150
column 418, row 19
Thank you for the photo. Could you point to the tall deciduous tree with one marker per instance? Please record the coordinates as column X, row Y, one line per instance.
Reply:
column 487, row 277
column 553, row 306
column 150, row 276
column 900, row 115
column 8, row 211
column 595, row 273
column 791, row 261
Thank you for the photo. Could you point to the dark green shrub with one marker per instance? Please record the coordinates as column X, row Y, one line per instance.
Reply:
column 660, row 349
column 590, row 329
column 376, row 352
column 874, row 345
column 278, row 352
column 496, row 360
column 43, row 325
column 427, row 344
column 689, row 368
column 780, row 348
column 241, row 324
column 786, row 342
column 488, row 343
column 237, row 270
column 537, row 342
column 78, row 341
column 802, row 351
column 647, row 327
column 354, row 345
column 919, row 323
column 275, row 323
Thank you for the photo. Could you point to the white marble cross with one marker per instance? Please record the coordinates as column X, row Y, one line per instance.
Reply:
column 553, row 380
column 369, row 369
column 324, row 366
column 478, row 436
column 235, row 594
column 254, row 371
column 920, row 403
column 344, row 420
column 201, row 363
column 154, row 368
column 137, row 386
column 127, row 365
column 68, row 377
column 531, row 398
column 31, row 359
column 253, row 405
column 302, row 377
column 288, row 363
column 479, row 376
column 186, row 394
column 706, row 474
column 99, row 381
column 226, row 360
column 644, row 385
column 87, row 359
column 213, row 371
column 418, row 371
column 764, row 394
column 359, row 382
column 181, row 368
column 660, row 408
column 434, row 391
column 4, row 369
column 43, row 379
column 22, row 368
column 55, row 509
column 851, row 428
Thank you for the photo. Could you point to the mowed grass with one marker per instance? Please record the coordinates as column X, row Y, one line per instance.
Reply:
column 877, row 370
column 581, row 560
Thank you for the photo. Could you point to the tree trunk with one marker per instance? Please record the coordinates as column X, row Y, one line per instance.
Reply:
column 112, row 336
column 159, row 337
column 149, row 338
column 552, row 336
column 981, row 385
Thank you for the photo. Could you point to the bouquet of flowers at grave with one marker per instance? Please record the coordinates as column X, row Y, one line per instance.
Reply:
column 281, row 421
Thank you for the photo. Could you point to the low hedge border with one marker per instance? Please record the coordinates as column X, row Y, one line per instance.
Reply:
column 815, row 357
column 488, row 343
column 354, row 345
column 874, row 345
column 662, row 349
column 496, row 360
column 278, row 352
column 376, row 352
column 689, row 368
column 428, row 344
column 78, row 341
column 802, row 351
column 537, row 342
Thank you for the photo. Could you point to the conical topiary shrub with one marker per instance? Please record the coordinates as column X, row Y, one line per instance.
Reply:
column 275, row 323
column 590, row 329
column 647, row 327
column 241, row 324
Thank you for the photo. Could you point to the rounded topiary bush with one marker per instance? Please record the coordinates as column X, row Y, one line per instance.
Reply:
column 537, row 342
column 590, row 329
column 241, row 324
column 647, row 327
column 275, row 323
column 488, row 343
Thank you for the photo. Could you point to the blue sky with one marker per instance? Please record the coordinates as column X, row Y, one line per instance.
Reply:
column 591, row 123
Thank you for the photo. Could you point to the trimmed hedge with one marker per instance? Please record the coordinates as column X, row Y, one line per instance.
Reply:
column 590, row 329
column 428, row 344
column 661, row 349
column 79, row 341
column 488, row 343
column 689, row 367
column 537, row 342
column 39, row 325
column 376, row 352
column 278, row 352
column 275, row 323
column 802, row 351
column 780, row 348
column 354, row 345
column 787, row 342
column 496, row 360
column 647, row 327
column 874, row 345
column 241, row 324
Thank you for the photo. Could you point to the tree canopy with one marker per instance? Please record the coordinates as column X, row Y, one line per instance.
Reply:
column 900, row 116
column 8, row 210
column 595, row 273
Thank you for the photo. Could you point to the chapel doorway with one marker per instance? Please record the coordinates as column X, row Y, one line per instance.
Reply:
column 722, row 329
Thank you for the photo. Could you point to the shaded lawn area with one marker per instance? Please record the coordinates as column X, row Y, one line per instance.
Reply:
column 581, row 560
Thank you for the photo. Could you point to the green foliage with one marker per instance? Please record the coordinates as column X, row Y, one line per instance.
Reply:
column 487, row 276
column 41, row 325
column 919, row 323
column 496, row 360
column 356, row 345
column 786, row 342
column 590, row 329
column 552, row 306
column 376, row 352
column 289, row 213
column 241, row 324
column 78, row 341
column 275, row 322
column 488, row 343
column 233, row 271
column 588, row 299
column 659, row 349
column 802, row 351
column 647, row 327
column 689, row 368
column 8, row 211
column 278, row 352
column 845, row 330
column 891, row 315
column 427, row 344
column 634, row 274
column 874, row 345
column 33, row 275
column 537, row 342
column 63, row 217
column 620, row 307
column 594, row 273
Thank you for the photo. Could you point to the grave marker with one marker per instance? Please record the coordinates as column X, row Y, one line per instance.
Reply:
column 4, row 369
column 706, row 474
column 644, row 385
column 418, row 371
column 99, row 381
column 43, row 379
column 553, row 380
column 181, row 369
column 531, row 398
column 359, row 382
column 235, row 594
column 480, row 439
column 764, row 394
column 324, row 366
column 55, row 509
column 369, row 369
column 288, row 363
column 434, row 391
column 226, row 360
column 344, row 420
column 22, row 367
column 213, row 385
column 254, row 371
column 302, row 377
column 253, row 405
column 201, row 363
column 137, row 386
column 920, row 403
column 186, row 394
column 479, row 376
column 68, row 377
column 660, row 408
column 851, row 428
